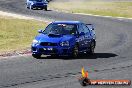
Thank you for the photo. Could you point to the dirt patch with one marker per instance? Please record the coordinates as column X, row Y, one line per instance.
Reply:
column 16, row 53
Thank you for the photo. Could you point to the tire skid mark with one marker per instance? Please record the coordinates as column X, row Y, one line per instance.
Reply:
column 121, row 40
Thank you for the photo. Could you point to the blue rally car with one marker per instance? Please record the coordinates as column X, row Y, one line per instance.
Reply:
column 64, row 38
column 42, row 4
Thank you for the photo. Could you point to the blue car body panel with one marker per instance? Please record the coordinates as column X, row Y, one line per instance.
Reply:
column 49, row 45
column 36, row 4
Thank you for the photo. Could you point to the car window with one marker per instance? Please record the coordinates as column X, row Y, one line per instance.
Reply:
column 80, row 29
column 86, row 30
column 61, row 29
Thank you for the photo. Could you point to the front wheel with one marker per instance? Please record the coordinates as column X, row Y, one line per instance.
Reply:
column 45, row 9
column 75, row 51
column 37, row 56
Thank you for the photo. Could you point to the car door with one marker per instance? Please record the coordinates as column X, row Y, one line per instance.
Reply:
column 81, row 37
column 87, row 36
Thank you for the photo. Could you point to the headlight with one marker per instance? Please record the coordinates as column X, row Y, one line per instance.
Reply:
column 45, row 4
column 65, row 43
column 32, row 3
column 35, row 41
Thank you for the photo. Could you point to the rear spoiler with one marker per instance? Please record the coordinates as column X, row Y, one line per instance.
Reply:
column 90, row 26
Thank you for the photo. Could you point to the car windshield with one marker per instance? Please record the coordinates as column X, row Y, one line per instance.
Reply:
column 60, row 29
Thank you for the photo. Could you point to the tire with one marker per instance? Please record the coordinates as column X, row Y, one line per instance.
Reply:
column 92, row 47
column 37, row 56
column 45, row 8
column 75, row 51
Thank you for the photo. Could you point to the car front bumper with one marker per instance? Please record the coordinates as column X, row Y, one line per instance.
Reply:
column 39, row 6
column 51, row 50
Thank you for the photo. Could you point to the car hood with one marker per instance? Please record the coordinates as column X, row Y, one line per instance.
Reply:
column 54, row 38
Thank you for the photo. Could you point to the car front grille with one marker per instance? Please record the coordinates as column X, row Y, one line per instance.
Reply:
column 39, row 4
column 48, row 44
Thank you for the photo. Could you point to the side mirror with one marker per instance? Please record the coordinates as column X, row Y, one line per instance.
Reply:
column 40, row 31
column 90, row 26
column 82, row 33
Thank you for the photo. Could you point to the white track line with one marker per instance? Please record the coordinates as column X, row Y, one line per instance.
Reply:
column 2, row 13
column 119, row 18
column 20, row 16
column 123, row 18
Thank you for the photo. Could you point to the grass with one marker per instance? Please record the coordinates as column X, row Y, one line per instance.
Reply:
column 115, row 9
column 17, row 34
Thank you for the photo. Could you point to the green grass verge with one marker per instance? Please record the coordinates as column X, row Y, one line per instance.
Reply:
column 115, row 9
column 17, row 34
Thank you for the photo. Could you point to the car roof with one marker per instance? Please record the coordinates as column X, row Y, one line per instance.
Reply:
column 66, row 22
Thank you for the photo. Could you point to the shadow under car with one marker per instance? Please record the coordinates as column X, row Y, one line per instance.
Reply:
column 82, row 56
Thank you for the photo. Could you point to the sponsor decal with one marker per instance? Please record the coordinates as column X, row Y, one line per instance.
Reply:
column 84, row 80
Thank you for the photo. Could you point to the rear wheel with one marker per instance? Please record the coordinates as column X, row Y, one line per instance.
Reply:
column 37, row 56
column 92, row 47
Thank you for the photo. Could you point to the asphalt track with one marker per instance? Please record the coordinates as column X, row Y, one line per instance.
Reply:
column 112, row 60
